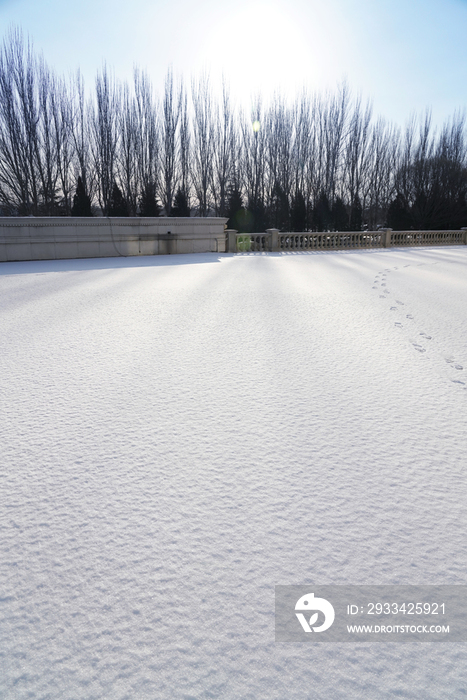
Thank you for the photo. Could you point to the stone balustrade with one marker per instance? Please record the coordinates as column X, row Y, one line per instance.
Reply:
column 275, row 241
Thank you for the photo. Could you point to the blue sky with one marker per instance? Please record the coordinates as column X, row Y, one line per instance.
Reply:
column 403, row 55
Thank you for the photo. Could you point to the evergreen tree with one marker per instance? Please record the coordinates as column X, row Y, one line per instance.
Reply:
column 298, row 213
column 322, row 214
column 356, row 215
column 235, row 211
column 339, row 216
column 399, row 216
column 180, row 206
column 259, row 217
column 148, row 205
column 279, row 213
column 117, row 203
column 81, row 201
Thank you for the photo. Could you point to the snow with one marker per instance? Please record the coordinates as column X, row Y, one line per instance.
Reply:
column 182, row 433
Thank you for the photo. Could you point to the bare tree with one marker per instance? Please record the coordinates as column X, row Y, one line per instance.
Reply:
column 356, row 153
column 147, row 142
column 185, row 149
column 378, row 183
column 222, row 151
column 253, row 135
column 127, row 154
column 173, row 97
column 203, row 142
column 82, row 115
column 104, row 135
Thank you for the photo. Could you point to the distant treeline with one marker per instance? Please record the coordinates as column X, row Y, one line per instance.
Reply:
column 322, row 163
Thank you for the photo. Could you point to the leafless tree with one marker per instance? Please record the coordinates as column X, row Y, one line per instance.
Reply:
column 253, row 135
column 356, row 152
column 203, row 142
column 82, row 115
column 127, row 154
column 222, row 141
column 172, row 104
column 104, row 135
column 146, row 136
column 185, row 147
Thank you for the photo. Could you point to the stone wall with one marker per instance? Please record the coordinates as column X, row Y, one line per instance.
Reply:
column 53, row 238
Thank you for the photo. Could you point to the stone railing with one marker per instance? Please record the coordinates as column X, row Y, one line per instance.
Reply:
column 324, row 241
column 275, row 241
column 399, row 238
column 53, row 238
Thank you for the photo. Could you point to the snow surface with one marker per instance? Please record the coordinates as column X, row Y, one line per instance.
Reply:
column 181, row 433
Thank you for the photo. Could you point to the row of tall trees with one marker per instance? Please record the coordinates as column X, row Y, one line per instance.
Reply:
column 321, row 163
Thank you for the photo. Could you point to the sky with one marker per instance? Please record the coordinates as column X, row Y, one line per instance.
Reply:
column 403, row 56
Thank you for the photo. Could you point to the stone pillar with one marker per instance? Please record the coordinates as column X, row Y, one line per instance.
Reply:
column 231, row 235
column 274, row 233
column 386, row 237
column 464, row 229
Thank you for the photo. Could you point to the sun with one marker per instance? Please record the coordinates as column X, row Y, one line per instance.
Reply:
column 258, row 49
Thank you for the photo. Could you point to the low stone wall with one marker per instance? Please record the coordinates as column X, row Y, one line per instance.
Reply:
column 275, row 241
column 54, row 238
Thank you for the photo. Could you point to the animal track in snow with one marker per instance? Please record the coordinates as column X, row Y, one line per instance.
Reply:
column 398, row 324
column 393, row 308
column 410, row 317
column 418, row 347
column 400, row 302
column 451, row 362
column 427, row 337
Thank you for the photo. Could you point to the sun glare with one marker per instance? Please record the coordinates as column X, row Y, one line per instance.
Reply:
column 260, row 49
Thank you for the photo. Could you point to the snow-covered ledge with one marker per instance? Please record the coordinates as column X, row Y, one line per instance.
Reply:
column 53, row 238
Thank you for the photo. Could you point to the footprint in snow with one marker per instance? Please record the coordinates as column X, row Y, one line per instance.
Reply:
column 400, row 302
column 399, row 325
column 427, row 337
column 393, row 308
column 383, row 284
column 381, row 296
column 457, row 381
column 450, row 361
column 418, row 347
column 374, row 287
column 409, row 316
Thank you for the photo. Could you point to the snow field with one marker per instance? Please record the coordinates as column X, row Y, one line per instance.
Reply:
column 180, row 434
